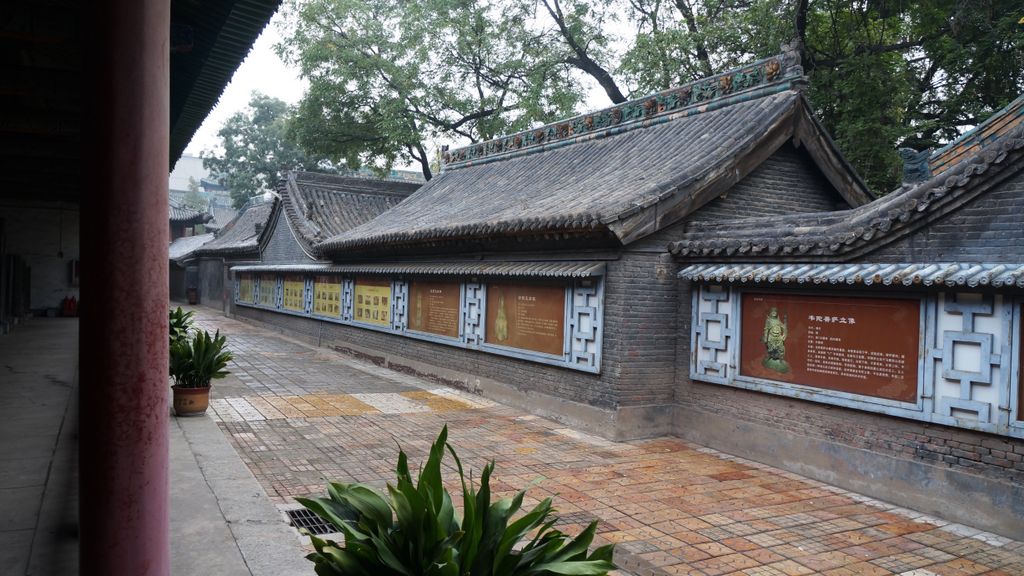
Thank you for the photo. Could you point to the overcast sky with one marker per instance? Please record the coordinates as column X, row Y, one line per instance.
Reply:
column 263, row 71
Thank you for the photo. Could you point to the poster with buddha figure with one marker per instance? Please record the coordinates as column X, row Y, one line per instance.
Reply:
column 526, row 316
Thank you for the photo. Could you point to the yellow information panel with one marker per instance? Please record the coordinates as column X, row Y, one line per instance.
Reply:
column 245, row 288
column 294, row 294
column 268, row 286
column 372, row 302
column 327, row 296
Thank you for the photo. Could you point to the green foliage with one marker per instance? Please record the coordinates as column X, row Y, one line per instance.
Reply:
column 193, row 199
column 883, row 74
column 180, row 323
column 391, row 80
column 196, row 361
column 389, row 77
column 257, row 151
column 416, row 532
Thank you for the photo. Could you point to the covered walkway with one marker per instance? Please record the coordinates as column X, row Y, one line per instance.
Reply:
column 221, row 521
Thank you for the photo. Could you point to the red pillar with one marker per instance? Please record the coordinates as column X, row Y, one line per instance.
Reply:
column 123, row 450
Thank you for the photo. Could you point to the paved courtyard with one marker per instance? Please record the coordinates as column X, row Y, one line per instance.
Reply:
column 300, row 415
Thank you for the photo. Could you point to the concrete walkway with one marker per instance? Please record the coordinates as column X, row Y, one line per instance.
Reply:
column 38, row 448
column 222, row 523
column 300, row 415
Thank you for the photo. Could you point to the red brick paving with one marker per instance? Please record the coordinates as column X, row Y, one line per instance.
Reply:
column 671, row 507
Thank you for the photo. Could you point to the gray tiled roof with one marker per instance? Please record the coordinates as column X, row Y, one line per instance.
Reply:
column 628, row 181
column 181, row 248
column 319, row 206
column 180, row 213
column 544, row 269
column 843, row 235
column 995, row 126
column 240, row 237
column 971, row 275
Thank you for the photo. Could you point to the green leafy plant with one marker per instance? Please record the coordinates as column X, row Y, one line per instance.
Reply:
column 415, row 530
column 180, row 324
column 197, row 361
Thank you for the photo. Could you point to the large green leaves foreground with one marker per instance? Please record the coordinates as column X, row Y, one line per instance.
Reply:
column 416, row 531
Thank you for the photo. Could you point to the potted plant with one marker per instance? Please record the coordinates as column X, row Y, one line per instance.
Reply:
column 180, row 323
column 414, row 529
column 194, row 363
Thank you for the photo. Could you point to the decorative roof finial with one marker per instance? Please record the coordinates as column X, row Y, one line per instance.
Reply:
column 791, row 53
column 915, row 165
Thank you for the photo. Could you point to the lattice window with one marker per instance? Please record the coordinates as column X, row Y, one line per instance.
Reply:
column 347, row 289
column 308, row 294
column 585, row 323
column 713, row 334
column 399, row 305
column 970, row 358
column 473, row 313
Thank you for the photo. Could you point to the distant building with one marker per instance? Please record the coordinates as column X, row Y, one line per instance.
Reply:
column 188, row 170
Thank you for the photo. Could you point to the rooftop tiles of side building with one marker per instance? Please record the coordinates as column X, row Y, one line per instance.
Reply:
column 241, row 235
column 625, row 181
column 994, row 127
column 765, row 76
column 847, row 234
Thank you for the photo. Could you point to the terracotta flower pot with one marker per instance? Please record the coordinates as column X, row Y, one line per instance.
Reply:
column 191, row 401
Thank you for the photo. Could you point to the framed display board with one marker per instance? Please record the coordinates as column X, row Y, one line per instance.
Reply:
column 372, row 301
column 268, row 286
column 294, row 297
column 434, row 307
column 832, row 342
column 526, row 316
column 327, row 296
column 245, row 288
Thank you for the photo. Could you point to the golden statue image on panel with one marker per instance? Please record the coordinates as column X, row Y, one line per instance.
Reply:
column 501, row 323
column 774, row 340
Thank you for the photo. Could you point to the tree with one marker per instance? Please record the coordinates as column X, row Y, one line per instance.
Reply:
column 883, row 73
column 192, row 198
column 388, row 79
column 257, row 152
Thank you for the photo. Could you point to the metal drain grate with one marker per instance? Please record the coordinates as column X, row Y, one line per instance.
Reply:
column 307, row 520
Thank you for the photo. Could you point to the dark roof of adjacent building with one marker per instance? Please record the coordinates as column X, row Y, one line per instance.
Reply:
column 241, row 236
column 221, row 216
column 995, row 126
column 319, row 206
column 181, row 249
column 841, row 236
column 181, row 214
column 626, row 171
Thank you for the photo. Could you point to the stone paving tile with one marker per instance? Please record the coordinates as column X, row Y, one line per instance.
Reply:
column 299, row 416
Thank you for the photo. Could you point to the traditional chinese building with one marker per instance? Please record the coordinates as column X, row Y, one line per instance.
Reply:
column 534, row 268
column 238, row 242
column 309, row 208
column 184, row 269
column 878, row 348
column 184, row 220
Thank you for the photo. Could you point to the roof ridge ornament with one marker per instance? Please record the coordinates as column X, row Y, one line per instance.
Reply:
column 743, row 83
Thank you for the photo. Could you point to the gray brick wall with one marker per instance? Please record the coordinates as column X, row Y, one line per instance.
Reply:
column 282, row 247
column 211, row 282
column 989, row 229
column 638, row 355
column 786, row 183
